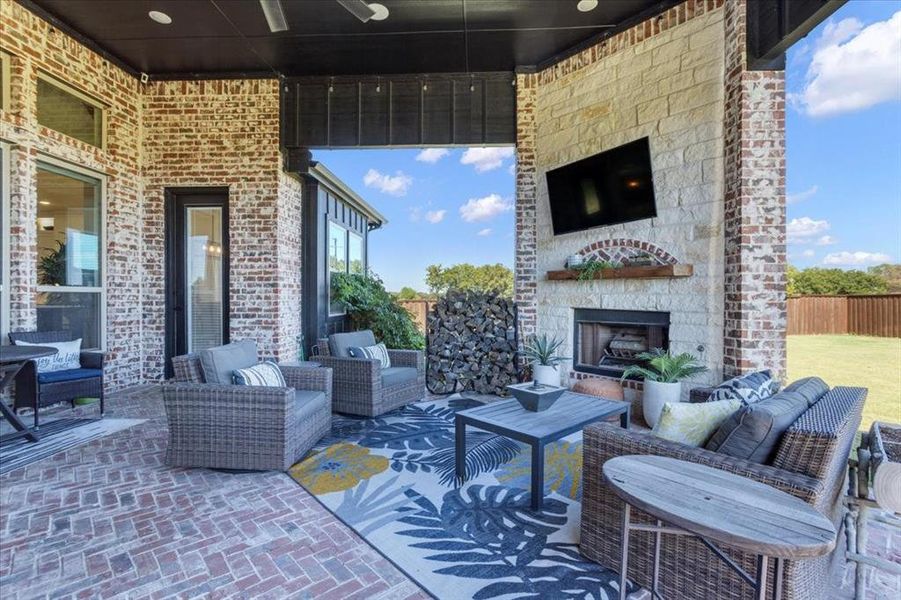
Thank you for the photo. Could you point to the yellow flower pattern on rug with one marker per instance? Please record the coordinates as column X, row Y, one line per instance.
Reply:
column 338, row 468
column 562, row 470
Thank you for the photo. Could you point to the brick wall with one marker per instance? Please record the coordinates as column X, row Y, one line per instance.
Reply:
column 180, row 134
column 667, row 78
column 755, row 312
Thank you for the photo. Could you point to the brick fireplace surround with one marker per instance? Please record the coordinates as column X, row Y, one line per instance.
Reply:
column 717, row 140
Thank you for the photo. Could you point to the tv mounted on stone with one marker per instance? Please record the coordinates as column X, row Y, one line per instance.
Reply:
column 615, row 186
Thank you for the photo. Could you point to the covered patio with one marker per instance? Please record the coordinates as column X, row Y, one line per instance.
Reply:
column 123, row 129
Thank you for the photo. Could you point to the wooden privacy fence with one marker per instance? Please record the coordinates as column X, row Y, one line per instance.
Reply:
column 419, row 309
column 878, row 316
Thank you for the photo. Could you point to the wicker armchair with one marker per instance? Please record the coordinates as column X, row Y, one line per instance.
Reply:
column 245, row 427
column 37, row 390
column 811, row 463
column 361, row 386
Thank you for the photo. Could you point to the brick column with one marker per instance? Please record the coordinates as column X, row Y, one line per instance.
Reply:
column 525, row 282
column 754, row 211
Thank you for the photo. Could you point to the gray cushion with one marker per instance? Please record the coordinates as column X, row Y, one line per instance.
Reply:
column 339, row 343
column 397, row 375
column 307, row 403
column 219, row 363
column 753, row 433
column 811, row 388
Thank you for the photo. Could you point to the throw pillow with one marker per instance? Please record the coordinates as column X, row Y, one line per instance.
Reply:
column 754, row 432
column 378, row 352
column 749, row 388
column 265, row 374
column 693, row 424
column 68, row 356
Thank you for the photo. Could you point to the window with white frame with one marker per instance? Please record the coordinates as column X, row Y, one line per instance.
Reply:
column 355, row 262
column 337, row 260
column 71, row 252
column 70, row 112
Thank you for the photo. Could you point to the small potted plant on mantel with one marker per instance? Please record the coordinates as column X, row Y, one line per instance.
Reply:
column 663, row 377
column 542, row 352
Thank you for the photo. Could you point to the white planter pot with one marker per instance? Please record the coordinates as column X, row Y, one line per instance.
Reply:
column 546, row 374
column 655, row 395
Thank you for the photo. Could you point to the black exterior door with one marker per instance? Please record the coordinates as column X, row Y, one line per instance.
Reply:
column 197, row 268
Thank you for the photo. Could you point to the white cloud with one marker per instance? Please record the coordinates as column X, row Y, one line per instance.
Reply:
column 484, row 232
column 803, row 230
column 853, row 67
column 808, row 253
column 856, row 258
column 486, row 159
column 435, row 216
column 512, row 169
column 801, row 196
column 826, row 240
column 395, row 185
column 479, row 209
column 432, row 155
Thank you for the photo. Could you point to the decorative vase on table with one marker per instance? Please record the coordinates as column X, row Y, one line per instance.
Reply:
column 655, row 395
column 662, row 373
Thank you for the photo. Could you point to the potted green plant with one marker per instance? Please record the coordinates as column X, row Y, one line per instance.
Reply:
column 662, row 379
column 542, row 352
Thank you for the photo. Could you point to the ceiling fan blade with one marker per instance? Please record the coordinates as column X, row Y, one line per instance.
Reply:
column 275, row 15
column 358, row 8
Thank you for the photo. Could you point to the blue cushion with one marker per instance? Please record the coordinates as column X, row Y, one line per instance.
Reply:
column 397, row 375
column 68, row 375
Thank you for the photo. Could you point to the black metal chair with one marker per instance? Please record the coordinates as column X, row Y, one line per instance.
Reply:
column 37, row 390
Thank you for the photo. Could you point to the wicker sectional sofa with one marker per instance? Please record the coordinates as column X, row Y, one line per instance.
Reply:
column 238, row 427
column 810, row 463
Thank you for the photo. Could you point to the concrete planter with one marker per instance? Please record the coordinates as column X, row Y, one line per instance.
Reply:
column 546, row 374
column 655, row 395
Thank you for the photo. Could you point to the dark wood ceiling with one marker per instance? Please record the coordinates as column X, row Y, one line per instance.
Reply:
column 420, row 36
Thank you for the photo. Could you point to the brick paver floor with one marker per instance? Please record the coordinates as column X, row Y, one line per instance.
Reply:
column 110, row 519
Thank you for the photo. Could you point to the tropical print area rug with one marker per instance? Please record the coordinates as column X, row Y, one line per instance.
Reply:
column 392, row 480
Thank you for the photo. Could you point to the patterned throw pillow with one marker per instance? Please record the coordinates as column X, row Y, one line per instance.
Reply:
column 265, row 374
column 749, row 388
column 67, row 357
column 693, row 424
column 378, row 352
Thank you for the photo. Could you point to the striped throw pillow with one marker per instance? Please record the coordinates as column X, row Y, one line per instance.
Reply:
column 378, row 352
column 265, row 374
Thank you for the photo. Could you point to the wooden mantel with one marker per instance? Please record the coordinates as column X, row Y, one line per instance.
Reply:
column 645, row 272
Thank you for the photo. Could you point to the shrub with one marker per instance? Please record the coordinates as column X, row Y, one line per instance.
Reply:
column 370, row 306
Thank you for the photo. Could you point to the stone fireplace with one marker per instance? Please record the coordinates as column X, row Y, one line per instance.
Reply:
column 606, row 342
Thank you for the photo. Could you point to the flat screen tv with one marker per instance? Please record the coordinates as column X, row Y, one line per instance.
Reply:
column 612, row 187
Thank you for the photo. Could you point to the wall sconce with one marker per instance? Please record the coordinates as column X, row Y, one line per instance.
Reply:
column 46, row 223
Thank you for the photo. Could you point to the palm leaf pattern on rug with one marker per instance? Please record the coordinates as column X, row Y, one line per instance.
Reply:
column 424, row 427
column 489, row 532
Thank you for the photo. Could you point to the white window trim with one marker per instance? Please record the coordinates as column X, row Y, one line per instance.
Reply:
column 102, row 107
column 67, row 166
column 5, row 215
column 5, row 97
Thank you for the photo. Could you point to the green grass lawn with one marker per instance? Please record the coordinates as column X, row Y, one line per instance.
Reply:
column 869, row 362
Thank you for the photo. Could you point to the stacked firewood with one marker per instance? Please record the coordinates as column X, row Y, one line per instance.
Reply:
column 472, row 344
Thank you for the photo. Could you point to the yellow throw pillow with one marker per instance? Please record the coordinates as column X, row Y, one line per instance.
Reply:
column 693, row 424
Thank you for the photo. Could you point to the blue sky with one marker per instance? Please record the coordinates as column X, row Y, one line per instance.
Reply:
column 843, row 179
column 843, row 139
column 443, row 206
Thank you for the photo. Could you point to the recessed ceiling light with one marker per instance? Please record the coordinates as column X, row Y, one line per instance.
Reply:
column 380, row 11
column 587, row 5
column 44, row 202
column 164, row 19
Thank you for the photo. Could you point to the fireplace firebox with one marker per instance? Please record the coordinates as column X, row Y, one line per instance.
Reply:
column 606, row 342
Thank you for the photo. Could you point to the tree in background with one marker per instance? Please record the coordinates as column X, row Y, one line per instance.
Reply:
column 496, row 278
column 407, row 293
column 833, row 282
column 891, row 274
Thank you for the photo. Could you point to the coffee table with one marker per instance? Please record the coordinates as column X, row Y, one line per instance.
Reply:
column 571, row 413
column 718, row 508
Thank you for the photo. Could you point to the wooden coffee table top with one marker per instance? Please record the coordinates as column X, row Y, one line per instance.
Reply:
column 720, row 506
column 570, row 413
